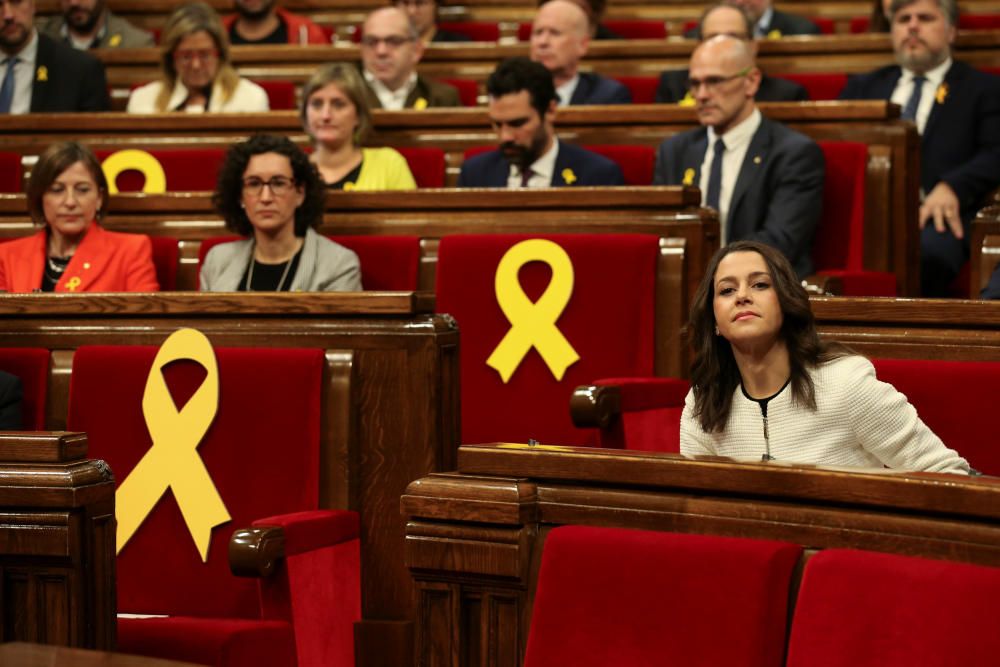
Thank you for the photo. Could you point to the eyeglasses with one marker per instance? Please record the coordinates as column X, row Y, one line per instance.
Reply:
column 186, row 57
column 279, row 185
column 392, row 41
column 713, row 82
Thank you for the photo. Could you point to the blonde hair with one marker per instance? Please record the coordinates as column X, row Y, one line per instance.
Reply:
column 185, row 21
column 347, row 77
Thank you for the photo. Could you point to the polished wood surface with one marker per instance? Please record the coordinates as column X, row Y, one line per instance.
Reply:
column 474, row 537
column 39, row 655
column 390, row 399
column 984, row 248
column 57, row 543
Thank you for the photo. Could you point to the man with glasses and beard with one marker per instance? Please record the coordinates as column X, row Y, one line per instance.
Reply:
column 41, row 74
column 522, row 109
column 89, row 24
column 261, row 22
column 957, row 112
column 765, row 180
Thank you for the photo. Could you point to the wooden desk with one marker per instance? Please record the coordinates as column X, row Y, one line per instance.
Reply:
column 40, row 655
column 984, row 248
column 390, row 395
column 474, row 538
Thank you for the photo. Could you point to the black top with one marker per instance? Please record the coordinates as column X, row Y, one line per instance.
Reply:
column 762, row 402
column 54, row 269
column 279, row 36
column 271, row 277
column 351, row 177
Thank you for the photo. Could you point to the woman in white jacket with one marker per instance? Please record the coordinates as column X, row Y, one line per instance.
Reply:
column 196, row 74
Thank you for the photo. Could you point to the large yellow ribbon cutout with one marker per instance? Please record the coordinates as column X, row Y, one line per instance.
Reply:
column 141, row 161
column 173, row 462
column 533, row 324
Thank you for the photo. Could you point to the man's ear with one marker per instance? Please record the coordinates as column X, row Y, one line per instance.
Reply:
column 418, row 49
column 753, row 81
column 550, row 113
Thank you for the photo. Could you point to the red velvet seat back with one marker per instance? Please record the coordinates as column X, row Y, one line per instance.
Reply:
column 979, row 22
column 608, row 321
column 280, row 93
column 468, row 90
column 642, row 88
column 867, row 609
column 31, row 366
column 165, row 258
column 10, row 172
column 821, row 85
column 387, row 262
column 186, row 169
column 608, row 597
column 426, row 164
column 957, row 399
column 637, row 28
column 476, row 31
column 261, row 451
column 636, row 162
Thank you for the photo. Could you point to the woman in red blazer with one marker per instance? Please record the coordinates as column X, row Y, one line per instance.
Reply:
column 67, row 194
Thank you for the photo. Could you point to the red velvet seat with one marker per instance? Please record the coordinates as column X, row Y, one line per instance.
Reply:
column 269, row 400
column 476, row 31
column 426, row 164
column 31, row 366
column 636, row 162
column 821, row 85
column 186, row 169
column 838, row 249
column 388, row 263
column 609, row 597
column 280, row 93
column 10, row 172
column 642, row 88
column 608, row 321
column 468, row 90
column 867, row 609
column 166, row 256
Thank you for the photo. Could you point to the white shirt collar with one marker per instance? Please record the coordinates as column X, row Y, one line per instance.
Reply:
column 741, row 134
column 764, row 23
column 565, row 91
column 392, row 100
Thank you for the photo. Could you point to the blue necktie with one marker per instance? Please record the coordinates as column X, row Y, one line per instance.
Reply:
column 715, row 176
column 7, row 88
column 910, row 110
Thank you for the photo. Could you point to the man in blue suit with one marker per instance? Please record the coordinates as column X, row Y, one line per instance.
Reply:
column 957, row 112
column 560, row 37
column 765, row 180
column 522, row 108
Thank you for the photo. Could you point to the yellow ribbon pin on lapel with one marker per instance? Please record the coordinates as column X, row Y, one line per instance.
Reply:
column 420, row 104
column 688, row 176
column 941, row 94
column 173, row 462
column 568, row 176
column 533, row 324
column 42, row 73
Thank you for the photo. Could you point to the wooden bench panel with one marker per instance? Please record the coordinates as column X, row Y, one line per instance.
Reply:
column 984, row 248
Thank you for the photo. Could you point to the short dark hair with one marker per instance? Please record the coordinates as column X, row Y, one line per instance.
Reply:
column 714, row 374
column 747, row 21
column 520, row 73
column 228, row 195
column 949, row 7
column 56, row 159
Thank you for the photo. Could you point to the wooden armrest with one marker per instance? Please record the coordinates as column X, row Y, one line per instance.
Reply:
column 595, row 407
column 823, row 285
column 255, row 552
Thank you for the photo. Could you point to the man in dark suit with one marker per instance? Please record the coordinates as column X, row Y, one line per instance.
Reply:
column 560, row 37
column 726, row 18
column 40, row 74
column 765, row 180
column 957, row 112
column 522, row 109
column 769, row 23
column 390, row 51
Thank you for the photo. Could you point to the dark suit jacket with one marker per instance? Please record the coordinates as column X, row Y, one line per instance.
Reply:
column 786, row 24
column 446, row 36
column 491, row 170
column 778, row 196
column 596, row 89
column 67, row 79
column 11, row 396
column 961, row 141
column 673, row 88
column 434, row 93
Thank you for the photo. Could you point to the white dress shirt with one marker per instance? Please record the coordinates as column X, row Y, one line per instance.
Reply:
column 24, row 75
column 392, row 100
column 904, row 88
column 565, row 91
column 541, row 169
column 737, row 141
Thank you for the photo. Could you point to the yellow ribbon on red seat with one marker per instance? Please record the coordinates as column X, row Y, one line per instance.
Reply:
column 173, row 461
column 141, row 161
column 533, row 324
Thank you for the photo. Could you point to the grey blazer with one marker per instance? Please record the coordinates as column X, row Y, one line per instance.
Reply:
column 325, row 266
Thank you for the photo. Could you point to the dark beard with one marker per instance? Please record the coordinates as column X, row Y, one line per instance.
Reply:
column 255, row 15
column 89, row 21
column 520, row 156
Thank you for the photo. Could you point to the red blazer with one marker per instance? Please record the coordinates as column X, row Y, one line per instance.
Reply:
column 103, row 262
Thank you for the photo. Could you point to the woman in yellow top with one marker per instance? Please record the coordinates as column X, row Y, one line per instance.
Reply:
column 335, row 113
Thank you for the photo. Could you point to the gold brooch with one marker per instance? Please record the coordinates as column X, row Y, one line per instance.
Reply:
column 568, row 176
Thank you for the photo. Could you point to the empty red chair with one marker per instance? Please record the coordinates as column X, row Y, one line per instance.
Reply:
column 468, row 90
column 426, row 163
column 31, row 366
column 607, row 321
column 859, row 25
column 636, row 162
column 185, row 169
column 10, row 172
column 826, row 26
column 476, row 31
column 610, row 596
column 642, row 88
column 637, row 29
column 868, row 609
column 838, row 249
column 261, row 450
column 821, row 85
column 166, row 257
column 280, row 94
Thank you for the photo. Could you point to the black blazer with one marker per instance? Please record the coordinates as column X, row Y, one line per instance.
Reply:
column 67, row 79
column 786, row 24
column 673, row 88
column 574, row 166
column 961, row 141
column 595, row 89
column 778, row 197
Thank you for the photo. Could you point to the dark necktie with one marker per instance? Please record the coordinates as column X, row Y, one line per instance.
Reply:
column 910, row 110
column 7, row 88
column 526, row 175
column 715, row 176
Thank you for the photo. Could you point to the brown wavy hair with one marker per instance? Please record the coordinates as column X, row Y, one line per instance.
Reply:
column 714, row 373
